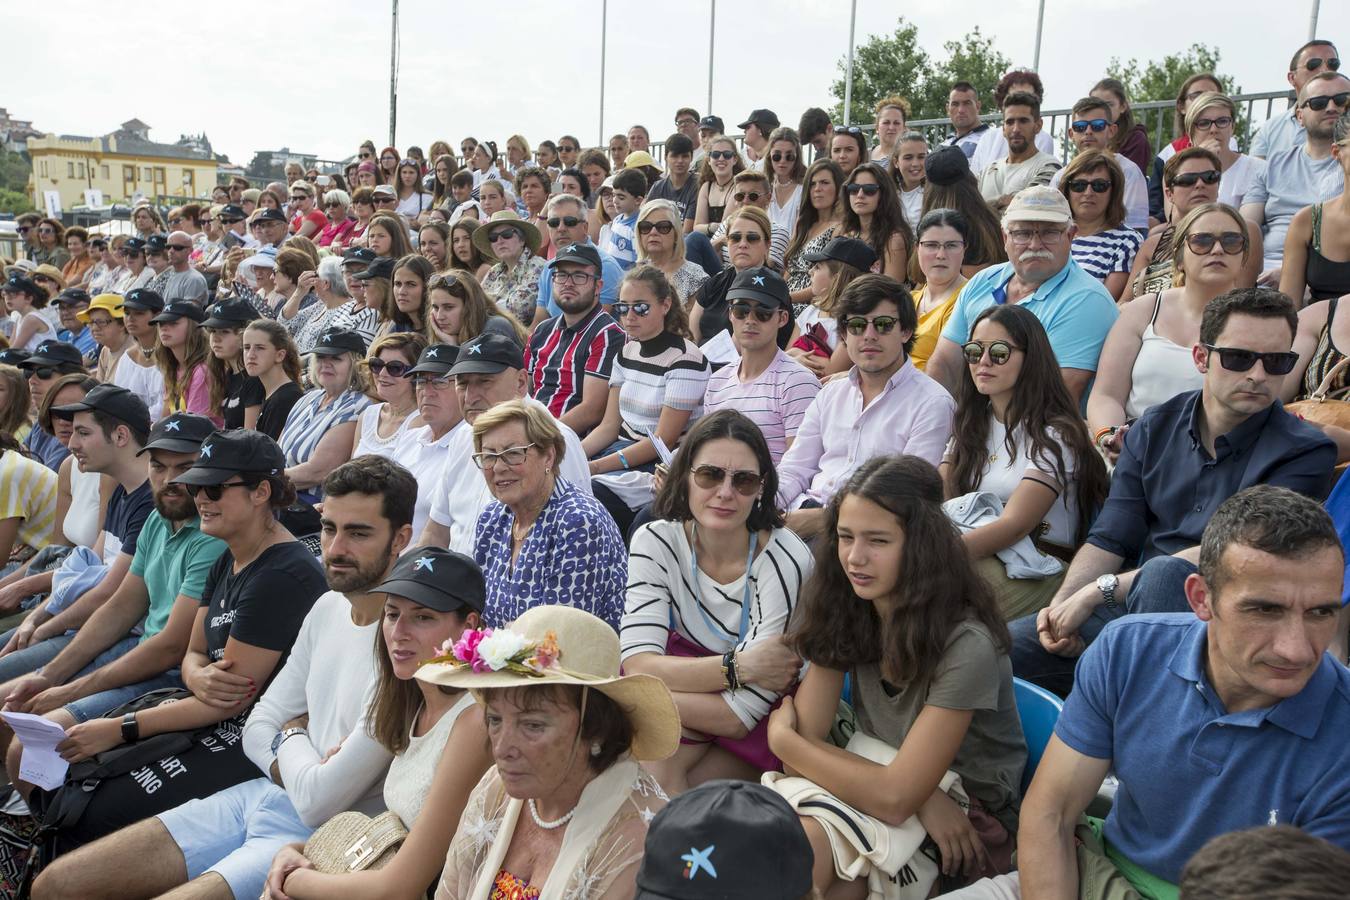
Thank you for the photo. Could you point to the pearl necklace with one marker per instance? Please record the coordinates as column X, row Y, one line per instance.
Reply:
column 549, row 826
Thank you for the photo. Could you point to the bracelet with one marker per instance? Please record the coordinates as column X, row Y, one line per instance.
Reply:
column 735, row 672
column 624, row 460
column 1108, row 431
column 729, row 673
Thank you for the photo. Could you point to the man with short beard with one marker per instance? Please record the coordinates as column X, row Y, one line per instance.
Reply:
column 135, row 642
column 1026, row 164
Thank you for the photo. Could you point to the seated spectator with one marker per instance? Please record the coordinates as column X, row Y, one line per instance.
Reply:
column 440, row 749
column 318, row 647
column 572, row 181
column 567, row 224
column 181, row 357
column 107, row 270
column 655, row 393
column 1019, row 436
column 931, row 682
column 272, row 357
column 135, row 642
column 817, row 221
column 1094, row 128
column 749, row 233
column 542, row 540
column 570, row 356
column 1192, row 87
column 716, row 184
column 136, row 274
column 294, row 277
column 466, row 254
column 16, row 403
column 660, row 244
column 678, row 185
column 107, row 326
column 76, row 270
column 306, row 221
column 883, row 406
column 1075, row 309
column 891, row 113
column 941, row 238
column 1181, row 460
column 387, row 233
column 1268, row 588
column 785, row 169
column 494, row 197
column 180, row 280
column 382, row 427
column 1093, row 184
column 69, row 304
column 1317, row 246
column 511, row 243
column 24, row 296
column 1211, row 119
column 48, row 369
column 907, row 166
column 630, row 189
column 413, row 202
column 872, row 214
column 460, row 311
column 716, row 575
column 814, row 128
column 433, row 242
column 1280, row 862
column 848, row 148
column 1301, row 176
column 338, row 227
column 318, row 435
column 50, row 249
column 423, row 451
column 406, row 309
column 949, row 184
column 489, row 371
column 833, row 269
column 1284, row 130
column 375, row 285
column 751, row 188
column 1148, row 356
column 28, row 508
column 237, row 395
column 963, row 108
column 1026, row 164
column 1131, row 137
column 585, row 765
column 358, row 214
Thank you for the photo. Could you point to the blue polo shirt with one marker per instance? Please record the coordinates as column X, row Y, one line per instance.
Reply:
column 611, row 273
column 1189, row 770
column 1075, row 309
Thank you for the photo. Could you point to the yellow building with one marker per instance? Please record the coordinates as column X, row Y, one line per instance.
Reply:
column 123, row 166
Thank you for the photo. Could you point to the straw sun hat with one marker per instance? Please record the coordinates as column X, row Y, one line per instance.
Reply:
column 562, row 645
column 529, row 234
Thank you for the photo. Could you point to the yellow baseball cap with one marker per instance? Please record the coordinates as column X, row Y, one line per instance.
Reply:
column 109, row 303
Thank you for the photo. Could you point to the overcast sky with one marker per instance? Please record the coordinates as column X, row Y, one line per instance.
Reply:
column 262, row 74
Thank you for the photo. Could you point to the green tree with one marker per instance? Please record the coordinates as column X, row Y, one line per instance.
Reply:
column 15, row 170
column 14, row 202
column 974, row 59
column 1161, row 79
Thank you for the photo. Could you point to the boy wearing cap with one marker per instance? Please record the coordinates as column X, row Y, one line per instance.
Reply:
column 49, row 362
column 757, row 128
column 69, row 304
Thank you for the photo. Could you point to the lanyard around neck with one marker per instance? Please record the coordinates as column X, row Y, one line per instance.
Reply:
column 698, row 593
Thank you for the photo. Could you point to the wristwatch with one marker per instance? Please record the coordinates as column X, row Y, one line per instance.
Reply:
column 1107, row 584
column 282, row 737
column 131, row 729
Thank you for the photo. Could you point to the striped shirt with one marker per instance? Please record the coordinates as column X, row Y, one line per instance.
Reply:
column 660, row 591
column 310, row 322
column 309, row 421
column 667, row 371
column 561, row 356
column 776, row 400
column 621, row 242
column 1106, row 252
column 28, row 493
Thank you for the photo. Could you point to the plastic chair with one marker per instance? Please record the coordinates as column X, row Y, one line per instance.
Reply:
column 1038, row 710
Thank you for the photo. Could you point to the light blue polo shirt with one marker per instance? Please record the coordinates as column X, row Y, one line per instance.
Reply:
column 611, row 273
column 1188, row 769
column 172, row 564
column 1075, row 309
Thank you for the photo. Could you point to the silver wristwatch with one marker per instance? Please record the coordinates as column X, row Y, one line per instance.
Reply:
column 1107, row 584
column 283, row 736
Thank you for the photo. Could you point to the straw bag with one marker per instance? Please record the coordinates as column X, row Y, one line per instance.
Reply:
column 353, row 841
column 1323, row 406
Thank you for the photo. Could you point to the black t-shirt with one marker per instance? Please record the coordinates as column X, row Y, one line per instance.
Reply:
column 125, row 517
column 277, row 407
column 686, row 198
column 264, row 604
column 712, row 296
column 242, row 390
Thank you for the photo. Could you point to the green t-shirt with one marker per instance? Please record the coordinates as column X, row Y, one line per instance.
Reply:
column 172, row 563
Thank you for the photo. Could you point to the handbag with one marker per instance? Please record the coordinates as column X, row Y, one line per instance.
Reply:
column 1325, row 406
column 354, row 842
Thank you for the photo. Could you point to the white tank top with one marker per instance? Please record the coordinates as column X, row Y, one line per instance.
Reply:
column 144, row 381
column 1161, row 370
column 371, row 442
column 81, row 524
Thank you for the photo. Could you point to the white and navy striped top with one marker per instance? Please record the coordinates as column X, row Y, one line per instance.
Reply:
column 667, row 370
column 1106, row 252
column 309, row 422
column 659, row 593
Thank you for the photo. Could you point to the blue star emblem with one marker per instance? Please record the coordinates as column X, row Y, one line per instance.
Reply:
column 171, row 425
column 476, row 348
column 424, row 562
column 698, row 859
column 433, row 353
column 206, row 451
column 758, row 279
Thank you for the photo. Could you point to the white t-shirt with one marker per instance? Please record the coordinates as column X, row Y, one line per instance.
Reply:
column 145, row 382
column 424, row 456
column 785, row 216
column 1004, row 475
column 1237, row 181
column 993, row 145
column 911, row 204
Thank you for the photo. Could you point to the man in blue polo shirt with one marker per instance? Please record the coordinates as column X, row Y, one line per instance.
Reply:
column 1075, row 309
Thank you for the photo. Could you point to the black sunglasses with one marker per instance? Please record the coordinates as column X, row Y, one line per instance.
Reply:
column 871, row 190
column 779, row 157
column 1312, row 65
column 1209, row 176
column 1235, row 360
column 1098, row 185
column 999, row 352
column 396, row 369
column 660, row 227
column 623, row 309
column 744, row 482
column 743, row 311
column 1317, row 104
column 1232, row 242
column 883, row 324
column 742, row 196
column 43, row 372
column 750, row 237
column 569, row 221
column 214, row 492
column 721, row 154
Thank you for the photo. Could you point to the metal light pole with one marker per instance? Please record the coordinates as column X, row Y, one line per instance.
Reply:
column 848, row 75
column 712, row 32
column 393, row 75
column 1312, row 24
column 604, row 28
column 1040, row 25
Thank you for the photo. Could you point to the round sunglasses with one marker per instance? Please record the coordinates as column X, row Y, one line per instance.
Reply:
column 999, row 352
column 743, row 481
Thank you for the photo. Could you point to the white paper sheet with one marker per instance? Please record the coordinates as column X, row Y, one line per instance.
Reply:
column 40, row 764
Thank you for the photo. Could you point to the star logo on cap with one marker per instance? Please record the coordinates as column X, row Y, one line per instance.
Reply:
column 433, row 353
column 171, row 425
column 571, row 248
column 758, row 279
column 206, row 451
column 698, row 859
column 329, row 335
column 476, row 348
column 424, row 562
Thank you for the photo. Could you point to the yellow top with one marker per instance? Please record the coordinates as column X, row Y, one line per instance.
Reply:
column 930, row 327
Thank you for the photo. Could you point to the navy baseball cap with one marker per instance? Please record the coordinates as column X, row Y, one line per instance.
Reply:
column 760, row 284
column 116, row 401
column 489, row 354
column 438, row 579
column 143, row 298
column 228, row 453
column 181, row 432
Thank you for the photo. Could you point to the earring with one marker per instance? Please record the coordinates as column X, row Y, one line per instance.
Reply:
column 595, row 748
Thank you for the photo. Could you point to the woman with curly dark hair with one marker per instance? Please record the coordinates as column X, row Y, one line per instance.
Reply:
column 872, row 214
column 895, row 603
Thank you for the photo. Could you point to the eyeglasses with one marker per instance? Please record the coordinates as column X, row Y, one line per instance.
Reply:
column 780, row 157
column 501, row 234
column 1083, row 125
column 53, row 230
column 438, row 381
column 511, row 456
column 1022, row 237
column 99, row 323
column 623, row 309
column 214, row 492
column 178, row 247
column 847, row 129
column 577, row 278
column 333, row 205
column 1209, row 176
column 999, row 352
column 870, row 190
column 1216, row 122
column 748, row 237
column 44, row 278
column 743, row 311
column 743, row 481
column 388, row 159
column 1317, row 104
column 1201, row 242
column 1332, row 63
column 1098, row 185
column 380, row 201
column 395, row 368
column 944, row 246
column 742, row 196
column 659, row 227
column 1235, row 360
column 24, row 229
column 680, row 123
column 721, row 154
column 883, row 324
column 568, row 221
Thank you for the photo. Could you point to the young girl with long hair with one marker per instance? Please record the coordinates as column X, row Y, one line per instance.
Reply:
column 270, row 355
column 817, row 220
column 872, row 214
column 833, row 268
column 234, row 392
column 459, row 309
column 895, row 603
column 464, row 252
column 181, row 356
column 405, row 309
column 1018, row 434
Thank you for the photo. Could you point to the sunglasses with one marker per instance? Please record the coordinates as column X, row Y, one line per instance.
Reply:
column 847, row 129
column 333, row 205
column 214, row 492
column 721, row 154
column 999, row 352
column 383, row 200
column 178, row 247
column 396, row 369
column 568, row 221
column 870, row 190
column 567, row 149
column 44, row 279
column 1235, row 360
column 1316, row 62
column 366, row 156
column 1083, row 125
column 1098, row 185
column 623, row 309
column 1317, row 104
column 25, row 229
column 743, row 481
column 742, row 196
column 883, row 324
column 659, row 227
column 1209, row 176
column 780, row 157
column 749, row 237
column 743, row 311
column 43, row 372
column 1216, row 122
column 501, row 234
column 1232, row 242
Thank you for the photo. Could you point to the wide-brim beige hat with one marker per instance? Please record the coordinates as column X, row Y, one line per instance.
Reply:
column 505, row 217
column 587, row 654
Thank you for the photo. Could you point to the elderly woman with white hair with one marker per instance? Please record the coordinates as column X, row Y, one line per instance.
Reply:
column 335, row 309
column 660, row 229
column 336, row 204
